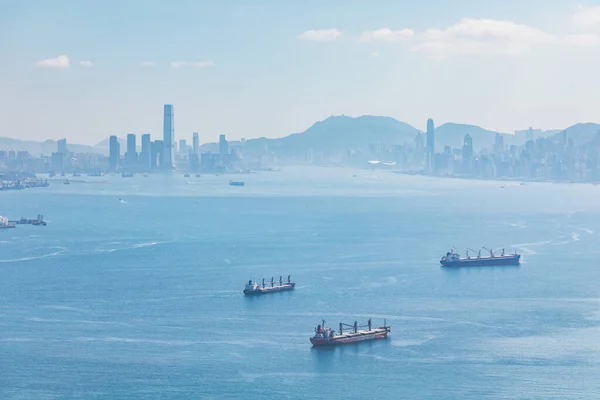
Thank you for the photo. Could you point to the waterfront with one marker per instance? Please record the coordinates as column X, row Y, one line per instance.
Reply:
column 134, row 289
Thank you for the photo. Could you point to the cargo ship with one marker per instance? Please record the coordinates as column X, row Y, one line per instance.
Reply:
column 348, row 334
column 453, row 259
column 253, row 288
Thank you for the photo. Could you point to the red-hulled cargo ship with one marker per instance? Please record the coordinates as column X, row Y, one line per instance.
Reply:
column 253, row 288
column 348, row 334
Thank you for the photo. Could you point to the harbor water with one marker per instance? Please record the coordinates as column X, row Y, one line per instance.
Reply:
column 134, row 288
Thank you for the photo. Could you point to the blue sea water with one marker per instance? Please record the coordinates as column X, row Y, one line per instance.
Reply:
column 134, row 288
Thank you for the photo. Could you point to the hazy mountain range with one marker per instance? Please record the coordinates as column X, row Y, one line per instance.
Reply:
column 338, row 134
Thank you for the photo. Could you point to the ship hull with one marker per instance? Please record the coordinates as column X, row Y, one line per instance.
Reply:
column 265, row 290
column 350, row 339
column 483, row 262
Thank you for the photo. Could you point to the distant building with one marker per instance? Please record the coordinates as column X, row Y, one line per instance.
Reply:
column 131, row 154
column 146, row 154
column 223, row 145
column 467, row 152
column 195, row 143
column 57, row 161
column 499, row 143
column 430, row 136
column 183, row 146
column 168, row 153
column 62, row 147
column 156, row 154
column 115, row 153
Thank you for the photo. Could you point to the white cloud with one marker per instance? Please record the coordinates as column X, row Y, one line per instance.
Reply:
column 587, row 16
column 60, row 62
column 86, row 64
column 386, row 34
column 582, row 40
column 486, row 36
column 197, row 64
column 148, row 64
column 321, row 35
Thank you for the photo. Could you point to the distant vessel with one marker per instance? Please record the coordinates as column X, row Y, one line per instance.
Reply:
column 38, row 221
column 127, row 175
column 5, row 224
column 186, row 175
column 236, row 183
column 253, row 288
column 348, row 334
column 66, row 182
column 452, row 259
column 197, row 175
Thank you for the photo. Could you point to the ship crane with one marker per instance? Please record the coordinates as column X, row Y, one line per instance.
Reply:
column 478, row 253
column 491, row 251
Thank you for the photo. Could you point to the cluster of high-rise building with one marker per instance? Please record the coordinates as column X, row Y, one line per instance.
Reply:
column 163, row 154
column 550, row 158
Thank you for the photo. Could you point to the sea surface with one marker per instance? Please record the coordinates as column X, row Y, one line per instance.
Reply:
column 134, row 288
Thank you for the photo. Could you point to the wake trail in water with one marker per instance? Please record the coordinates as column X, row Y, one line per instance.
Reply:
column 526, row 247
column 54, row 254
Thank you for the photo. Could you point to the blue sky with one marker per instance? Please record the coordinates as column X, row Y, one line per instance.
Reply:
column 270, row 68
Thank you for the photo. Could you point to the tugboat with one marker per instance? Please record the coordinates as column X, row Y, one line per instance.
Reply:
column 253, row 288
column 348, row 334
column 452, row 259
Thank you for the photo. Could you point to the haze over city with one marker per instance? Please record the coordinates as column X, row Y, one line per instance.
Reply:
column 82, row 71
column 276, row 199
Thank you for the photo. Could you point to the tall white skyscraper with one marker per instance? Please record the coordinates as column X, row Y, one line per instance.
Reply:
column 169, row 137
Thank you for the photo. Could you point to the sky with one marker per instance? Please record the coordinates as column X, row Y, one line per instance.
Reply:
column 85, row 70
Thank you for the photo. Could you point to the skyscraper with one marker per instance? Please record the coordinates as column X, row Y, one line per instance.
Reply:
column 499, row 143
column 223, row 145
column 195, row 143
column 467, row 150
column 156, row 155
column 182, row 146
column 62, row 146
column 168, row 153
column 430, row 136
column 131, row 154
column 146, row 154
column 115, row 153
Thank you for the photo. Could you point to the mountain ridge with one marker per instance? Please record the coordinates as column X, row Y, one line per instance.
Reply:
column 338, row 134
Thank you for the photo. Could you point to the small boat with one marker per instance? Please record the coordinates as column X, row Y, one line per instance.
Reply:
column 348, row 334
column 66, row 182
column 253, row 288
column 197, row 175
column 186, row 175
column 453, row 259
column 127, row 175
column 236, row 183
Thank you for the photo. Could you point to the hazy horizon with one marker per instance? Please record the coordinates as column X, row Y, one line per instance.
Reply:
column 271, row 69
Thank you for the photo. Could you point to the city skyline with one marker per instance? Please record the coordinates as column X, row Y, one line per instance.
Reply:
column 502, row 65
